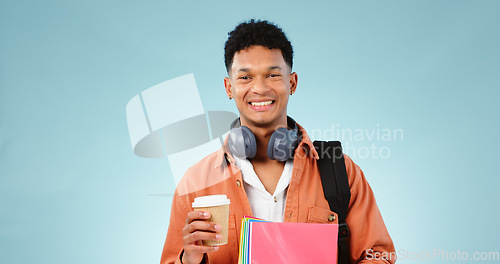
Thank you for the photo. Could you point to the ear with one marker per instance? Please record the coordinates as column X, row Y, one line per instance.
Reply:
column 294, row 78
column 227, row 85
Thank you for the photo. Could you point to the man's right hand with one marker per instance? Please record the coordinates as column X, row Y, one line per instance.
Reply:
column 196, row 230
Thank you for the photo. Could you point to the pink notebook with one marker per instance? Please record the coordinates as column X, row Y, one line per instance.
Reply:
column 292, row 243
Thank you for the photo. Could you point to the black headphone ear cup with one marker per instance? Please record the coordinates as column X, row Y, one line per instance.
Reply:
column 236, row 142
column 250, row 142
column 282, row 144
column 271, row 145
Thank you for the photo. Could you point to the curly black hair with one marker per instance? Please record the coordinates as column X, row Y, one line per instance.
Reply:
column 260, row 32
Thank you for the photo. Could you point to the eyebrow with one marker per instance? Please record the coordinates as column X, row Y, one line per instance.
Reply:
column 270, row 68
column 274, row 68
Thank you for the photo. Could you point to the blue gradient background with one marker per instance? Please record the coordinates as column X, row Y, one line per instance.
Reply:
column 71, row 189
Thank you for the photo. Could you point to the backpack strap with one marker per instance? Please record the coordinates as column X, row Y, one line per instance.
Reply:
column 336, row 189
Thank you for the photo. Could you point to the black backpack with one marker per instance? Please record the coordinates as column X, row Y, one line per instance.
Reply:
column 336, row 189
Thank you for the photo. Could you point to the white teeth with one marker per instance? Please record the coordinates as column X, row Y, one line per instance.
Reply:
column 261, row 103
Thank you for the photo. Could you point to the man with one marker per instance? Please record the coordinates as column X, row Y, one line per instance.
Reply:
column 258, row 60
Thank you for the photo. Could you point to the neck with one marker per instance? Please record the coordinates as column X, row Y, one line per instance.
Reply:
column 262, row 137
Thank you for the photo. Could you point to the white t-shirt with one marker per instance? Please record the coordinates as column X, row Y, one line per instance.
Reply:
column 264, row 205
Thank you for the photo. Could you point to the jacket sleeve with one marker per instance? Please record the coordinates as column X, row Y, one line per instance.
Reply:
column 369, row 240
column 173, row 243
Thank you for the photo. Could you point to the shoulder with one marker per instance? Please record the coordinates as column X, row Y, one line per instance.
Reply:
column 203, row 174
column 209, row 162
column 354, row 173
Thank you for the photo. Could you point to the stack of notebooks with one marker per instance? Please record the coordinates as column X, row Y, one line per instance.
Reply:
column 269, row 242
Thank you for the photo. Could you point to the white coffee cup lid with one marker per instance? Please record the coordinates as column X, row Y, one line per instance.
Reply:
column 210, row 200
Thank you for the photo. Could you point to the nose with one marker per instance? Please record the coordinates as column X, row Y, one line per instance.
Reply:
column 259, row 85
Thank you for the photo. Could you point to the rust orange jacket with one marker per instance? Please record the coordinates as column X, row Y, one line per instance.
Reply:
column 217, row 174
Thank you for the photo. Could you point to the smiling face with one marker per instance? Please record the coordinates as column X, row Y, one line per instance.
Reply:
column 260, row 83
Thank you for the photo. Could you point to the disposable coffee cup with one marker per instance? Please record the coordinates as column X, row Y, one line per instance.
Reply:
column 218, row 207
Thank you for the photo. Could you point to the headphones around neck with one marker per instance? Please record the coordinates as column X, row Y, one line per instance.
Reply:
column 281, row 146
